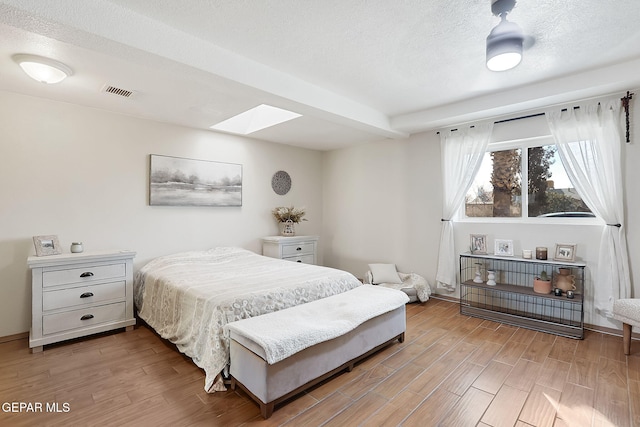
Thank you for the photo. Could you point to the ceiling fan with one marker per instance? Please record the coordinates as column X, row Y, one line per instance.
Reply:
column 505, row 42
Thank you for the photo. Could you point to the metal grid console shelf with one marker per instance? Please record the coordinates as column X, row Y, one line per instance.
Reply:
column 512, row 299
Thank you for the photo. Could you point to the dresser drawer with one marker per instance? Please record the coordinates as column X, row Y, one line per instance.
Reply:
column 83, row 274
column 300, row 248
column 307, row 259
column 81, row 318
column 296, row 248
column 83, row 295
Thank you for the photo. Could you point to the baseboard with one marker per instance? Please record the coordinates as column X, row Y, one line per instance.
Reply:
column 445, row 298
column 14, row 337
column 610, row 331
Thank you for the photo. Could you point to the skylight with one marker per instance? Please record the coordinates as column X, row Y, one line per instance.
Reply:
column 255, row 119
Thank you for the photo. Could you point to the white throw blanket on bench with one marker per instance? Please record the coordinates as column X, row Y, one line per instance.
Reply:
column 286, row 332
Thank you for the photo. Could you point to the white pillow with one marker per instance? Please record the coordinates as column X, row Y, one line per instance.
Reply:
column 384, row 273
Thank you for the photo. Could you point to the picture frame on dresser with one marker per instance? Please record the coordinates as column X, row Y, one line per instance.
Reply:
column 47, row 245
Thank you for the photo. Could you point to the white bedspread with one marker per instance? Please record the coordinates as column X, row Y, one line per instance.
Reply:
column 188, row 297
column 306, row 325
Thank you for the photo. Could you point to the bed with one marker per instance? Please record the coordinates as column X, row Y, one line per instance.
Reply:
column 188, row 298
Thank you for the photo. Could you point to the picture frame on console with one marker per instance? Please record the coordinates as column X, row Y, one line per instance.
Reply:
column 503, row 247
column 565, row 252
column 479, row 244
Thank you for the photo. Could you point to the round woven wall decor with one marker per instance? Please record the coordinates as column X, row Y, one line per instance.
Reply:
column 281, row 182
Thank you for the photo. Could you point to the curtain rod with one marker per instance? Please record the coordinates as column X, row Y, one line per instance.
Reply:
column 523, row 117
column 512, row 119
column 625, row 104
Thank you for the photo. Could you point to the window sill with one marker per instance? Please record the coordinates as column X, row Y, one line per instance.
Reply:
column 535, row 221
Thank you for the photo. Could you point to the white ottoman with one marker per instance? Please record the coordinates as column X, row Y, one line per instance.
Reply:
column 277, row 355
column 628, row 312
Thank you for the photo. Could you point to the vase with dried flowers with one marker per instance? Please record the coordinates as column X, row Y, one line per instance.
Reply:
column 288, row 216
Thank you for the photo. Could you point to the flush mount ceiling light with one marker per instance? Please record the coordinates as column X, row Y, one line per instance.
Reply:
column 44, row 70
column 505, row 41
column 255, row 119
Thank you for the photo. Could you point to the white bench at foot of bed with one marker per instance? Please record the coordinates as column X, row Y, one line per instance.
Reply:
column 266, row 359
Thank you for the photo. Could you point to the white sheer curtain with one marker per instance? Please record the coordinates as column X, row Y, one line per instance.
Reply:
column 589, row 146
column 462, row 153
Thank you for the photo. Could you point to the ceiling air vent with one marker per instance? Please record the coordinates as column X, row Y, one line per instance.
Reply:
column 118, row 91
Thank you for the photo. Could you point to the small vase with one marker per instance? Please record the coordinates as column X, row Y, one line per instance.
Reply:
column 491, row 278
column 565, row 280
column 288, row 228
column 478, row 275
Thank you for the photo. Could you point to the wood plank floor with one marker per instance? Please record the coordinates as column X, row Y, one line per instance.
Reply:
column 452, row 370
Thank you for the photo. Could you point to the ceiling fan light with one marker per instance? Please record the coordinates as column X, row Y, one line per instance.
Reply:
column 504, row 61
column 504, row 46
column 41, row 69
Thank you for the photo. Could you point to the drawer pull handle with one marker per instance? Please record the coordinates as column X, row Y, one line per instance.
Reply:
column 87, row 317
column 298, row 248
column 86, row 274
column 86, row 295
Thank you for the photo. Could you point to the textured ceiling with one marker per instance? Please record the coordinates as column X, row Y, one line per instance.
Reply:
column 357, row 70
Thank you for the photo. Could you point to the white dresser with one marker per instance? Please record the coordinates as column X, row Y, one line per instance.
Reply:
column 74, row 295
column 297, row 248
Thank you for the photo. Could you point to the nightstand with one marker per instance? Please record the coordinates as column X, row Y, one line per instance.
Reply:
column 297, row 249
column 74, row 295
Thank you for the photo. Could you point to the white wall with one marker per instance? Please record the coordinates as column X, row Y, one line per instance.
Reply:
column 82, row 174
column 382, row 203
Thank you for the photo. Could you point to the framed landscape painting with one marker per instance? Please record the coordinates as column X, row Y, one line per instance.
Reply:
column 175, row 181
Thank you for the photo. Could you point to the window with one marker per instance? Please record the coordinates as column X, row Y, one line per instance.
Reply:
column 524, row 179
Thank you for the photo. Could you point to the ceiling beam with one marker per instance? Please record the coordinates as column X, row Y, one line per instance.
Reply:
column 108, row 28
